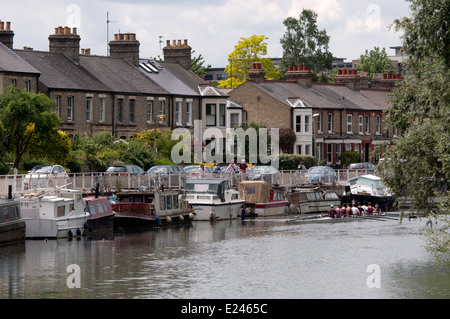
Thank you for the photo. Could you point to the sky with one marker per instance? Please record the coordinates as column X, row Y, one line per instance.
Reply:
column 212, row 27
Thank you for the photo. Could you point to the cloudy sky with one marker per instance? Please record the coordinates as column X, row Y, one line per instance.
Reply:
column 212, row 27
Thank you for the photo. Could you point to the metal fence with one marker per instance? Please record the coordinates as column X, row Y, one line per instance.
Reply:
column 87, row 182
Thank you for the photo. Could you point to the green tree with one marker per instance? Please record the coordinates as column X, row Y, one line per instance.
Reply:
column 198, row 65
column 417, row 166
column 247, row 51
column 375, row 61
column 53, row 146
column 19, row 110
column 304, row 44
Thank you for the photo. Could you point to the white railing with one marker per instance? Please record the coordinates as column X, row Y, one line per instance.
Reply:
column 114, row 183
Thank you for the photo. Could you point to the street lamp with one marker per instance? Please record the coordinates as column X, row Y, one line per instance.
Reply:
column 314, row 142
column 159, row 117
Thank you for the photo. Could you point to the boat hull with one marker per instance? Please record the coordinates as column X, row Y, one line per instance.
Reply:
column 216, row 211
column 55, row 228
column 317, row 206
column 123, row 221
column 271, row 209
column 11, row 232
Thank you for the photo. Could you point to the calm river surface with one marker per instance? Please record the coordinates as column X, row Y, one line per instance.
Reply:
column 264, row 258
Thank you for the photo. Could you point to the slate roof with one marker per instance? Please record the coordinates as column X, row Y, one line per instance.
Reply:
column 175, row 79
column 60, row 72
column 11, row 62
column 119, row 75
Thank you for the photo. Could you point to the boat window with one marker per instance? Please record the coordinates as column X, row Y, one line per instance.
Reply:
column 5, row 214
column 311, row 196
column 250, row 189
column 100, row 208
column 278, row 196
column 78, row 198
column 16, row 212
column 169, row 201
column 203, row 197
column 175, row 202
column 92, row 209
column 234, row 196
column 190, row 196
column 162, row 202
column 60, row 211
column 331, row 195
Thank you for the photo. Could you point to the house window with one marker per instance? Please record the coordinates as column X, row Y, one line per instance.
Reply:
column 298, row 124
column 306, row 123
column 210, row 115
column 349, row 123
column 330, row 153
column 89, row 109
column 319, row 123
column 101, row 110
column 222, row 114
column 361, row 124
column 178, row 112
column 162, row 109
column 378, row 125
column 120, row 110
column 58, row 105
column 330, row 122
column 149, row 111
column 70, row 108
column 132, row 111
column 308, row 149
column 234, row 120
column 299, row 149
column 367, row 125
column 28, row 86
column 189, row 112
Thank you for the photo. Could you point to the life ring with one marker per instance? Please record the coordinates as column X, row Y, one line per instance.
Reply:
column 191, row 216
column 181, row 218
column 169, row 219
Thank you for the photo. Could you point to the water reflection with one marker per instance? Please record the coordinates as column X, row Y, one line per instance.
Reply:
column 259, row 258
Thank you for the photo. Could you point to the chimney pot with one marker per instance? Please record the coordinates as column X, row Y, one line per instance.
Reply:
column 66, row 30
column 179, row 43
column 82, row 51
column 74, row 30
column 185, row 42
column 60, row 30
column 2, row 25
column 168, row 43
column 174, row 42
column 8, row 26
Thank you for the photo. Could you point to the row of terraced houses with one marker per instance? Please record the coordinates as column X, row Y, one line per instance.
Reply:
column 124, row 93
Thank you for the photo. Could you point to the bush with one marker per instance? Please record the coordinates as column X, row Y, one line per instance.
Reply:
column 4, row 168
column 291, row 161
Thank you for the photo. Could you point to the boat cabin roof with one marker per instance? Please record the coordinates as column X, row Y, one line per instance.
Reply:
column 210, row 186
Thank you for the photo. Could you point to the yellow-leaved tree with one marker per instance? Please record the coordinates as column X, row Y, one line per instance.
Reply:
column 247, row 51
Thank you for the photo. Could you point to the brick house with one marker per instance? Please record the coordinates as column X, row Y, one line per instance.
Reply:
column 329, row 118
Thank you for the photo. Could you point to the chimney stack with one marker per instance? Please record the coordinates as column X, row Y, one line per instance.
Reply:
column 66, row 41
column 386, row 80
column 299, row 73
column 125, row 46
column 350, row 78
column 6, row 34
column 178, row 53
column 256, row 73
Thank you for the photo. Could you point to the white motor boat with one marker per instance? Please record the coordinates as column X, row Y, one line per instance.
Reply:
column 213, row 199
column 54, row 213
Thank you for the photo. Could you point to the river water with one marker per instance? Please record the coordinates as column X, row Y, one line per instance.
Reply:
column 262, row 258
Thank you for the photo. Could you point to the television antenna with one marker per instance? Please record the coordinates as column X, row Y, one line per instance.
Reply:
column 107, row 32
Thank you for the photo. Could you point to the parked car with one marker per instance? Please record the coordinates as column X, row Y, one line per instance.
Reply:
column 262, row 172
column 192, row 169
column 42, row 176
column 124, row 169
column 166, row 173
column 320, row 175
column 361, row 167
column 41, row 171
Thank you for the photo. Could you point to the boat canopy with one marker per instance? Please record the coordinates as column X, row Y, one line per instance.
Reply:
column 255, row 191
column 206, row 186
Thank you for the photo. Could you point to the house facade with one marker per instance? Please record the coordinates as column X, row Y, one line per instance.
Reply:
column 328, row 119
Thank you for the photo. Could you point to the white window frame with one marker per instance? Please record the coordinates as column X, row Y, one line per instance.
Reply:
column 178, row 112
column 330, row 122
column 58, row 105
column 149, row 110
column 307, row 123
column 70, row 100
column 298, row 123
column 319, row 123
column 349, row 123
column 101, row 110
column 189, row 112
column 89, row 109
column 361, row 124
column 162, row 109
column 378, row 125
column 367, row 125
